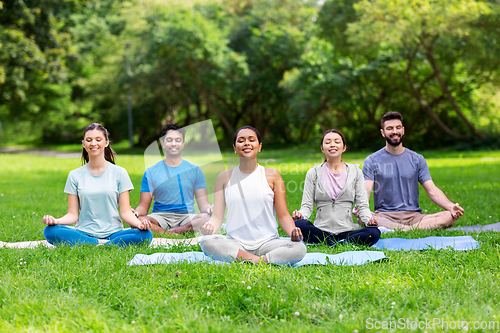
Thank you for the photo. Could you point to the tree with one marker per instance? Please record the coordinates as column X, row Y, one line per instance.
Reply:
column 431, row 37
column 48, row 51
column 33, row 51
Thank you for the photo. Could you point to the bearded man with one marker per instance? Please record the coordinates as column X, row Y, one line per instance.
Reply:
column 393, row 173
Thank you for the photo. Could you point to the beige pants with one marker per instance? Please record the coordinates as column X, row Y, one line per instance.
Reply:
column 172, row 220
column 391, row 220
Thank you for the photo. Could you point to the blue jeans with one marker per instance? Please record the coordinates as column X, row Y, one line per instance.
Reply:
column 313, row 235
column 57, row 234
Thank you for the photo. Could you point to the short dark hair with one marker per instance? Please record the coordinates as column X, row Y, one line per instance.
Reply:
column 174, row 127
column 235, row 136
column 390, row 116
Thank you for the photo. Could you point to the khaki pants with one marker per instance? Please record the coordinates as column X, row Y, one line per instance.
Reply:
column 392, row 220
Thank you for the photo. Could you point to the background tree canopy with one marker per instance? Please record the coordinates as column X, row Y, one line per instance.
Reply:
column 291, row 68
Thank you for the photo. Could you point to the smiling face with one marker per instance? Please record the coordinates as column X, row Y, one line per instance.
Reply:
column 94, row 142
column 173, row 143
column 333, row 145
column 247, row 143
column 393, row 132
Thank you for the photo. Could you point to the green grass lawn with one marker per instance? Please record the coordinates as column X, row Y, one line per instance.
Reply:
column 92, row 289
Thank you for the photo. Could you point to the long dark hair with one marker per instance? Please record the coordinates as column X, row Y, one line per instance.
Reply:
column 333, row 131
column 109, row 154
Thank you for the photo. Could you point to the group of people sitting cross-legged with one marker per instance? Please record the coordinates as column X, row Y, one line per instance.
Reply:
column 254, row 197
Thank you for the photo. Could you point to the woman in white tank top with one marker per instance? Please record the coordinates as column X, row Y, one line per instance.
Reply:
column 253, row 195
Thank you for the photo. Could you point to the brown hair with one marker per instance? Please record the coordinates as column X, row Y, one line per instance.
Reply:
column 109, row 154
column 333, row 131
column 390, row 116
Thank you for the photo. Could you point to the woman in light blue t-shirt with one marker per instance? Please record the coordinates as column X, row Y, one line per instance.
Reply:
column 95, row 190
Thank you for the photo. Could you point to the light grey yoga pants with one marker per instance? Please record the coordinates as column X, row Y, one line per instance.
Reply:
column 277, row 251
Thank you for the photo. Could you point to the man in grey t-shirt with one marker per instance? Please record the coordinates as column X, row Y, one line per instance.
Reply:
column 393, row 173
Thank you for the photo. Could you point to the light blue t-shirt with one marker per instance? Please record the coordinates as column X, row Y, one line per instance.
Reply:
column 98, row 197
column 395, row 179
column 173, row 187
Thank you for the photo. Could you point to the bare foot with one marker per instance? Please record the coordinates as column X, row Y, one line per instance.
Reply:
column 180, row 230
column 171, row 231
column 258, row 260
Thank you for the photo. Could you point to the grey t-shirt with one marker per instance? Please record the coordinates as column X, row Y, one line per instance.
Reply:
column 396, row 179
column 98, row 197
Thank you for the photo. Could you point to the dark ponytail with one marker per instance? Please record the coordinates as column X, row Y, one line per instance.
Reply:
column 109, row 154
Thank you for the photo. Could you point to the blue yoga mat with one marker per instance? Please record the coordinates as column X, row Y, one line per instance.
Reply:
column 348, row 258
column 460, row 243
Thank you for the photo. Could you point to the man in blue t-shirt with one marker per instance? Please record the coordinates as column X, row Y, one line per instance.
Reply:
column 394, row 173
column 172, row 183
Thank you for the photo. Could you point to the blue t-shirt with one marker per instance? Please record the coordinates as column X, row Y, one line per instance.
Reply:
column 395, row 179
column 173, row 187
column 98, row 198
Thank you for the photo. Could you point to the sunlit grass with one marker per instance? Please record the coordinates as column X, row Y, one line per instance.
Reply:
column 92, row 288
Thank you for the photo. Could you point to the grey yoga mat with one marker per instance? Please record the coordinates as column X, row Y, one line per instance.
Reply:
column 479, row 228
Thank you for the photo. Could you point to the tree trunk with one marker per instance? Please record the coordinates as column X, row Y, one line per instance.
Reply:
column 430, row 57
column 431, row 113
column 209, row 104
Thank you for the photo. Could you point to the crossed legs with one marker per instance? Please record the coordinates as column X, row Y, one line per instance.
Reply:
column 171, row 226
column 312, row 234
column 57, row 234
column 405, row 220
column 277, row 251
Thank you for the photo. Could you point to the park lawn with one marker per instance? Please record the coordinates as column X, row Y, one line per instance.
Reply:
column 92, row 289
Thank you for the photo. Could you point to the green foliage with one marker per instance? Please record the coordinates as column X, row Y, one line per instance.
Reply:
column 184, row 62
column 32, row 52
column 47, row 51
column 425, row 52
column 223, row 62
column 291, row 68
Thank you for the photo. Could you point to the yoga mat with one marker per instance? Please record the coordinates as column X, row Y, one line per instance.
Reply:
column 170, row 258
column 460, row 243
column 348, row 258
column 167, row 242
column 479, row 228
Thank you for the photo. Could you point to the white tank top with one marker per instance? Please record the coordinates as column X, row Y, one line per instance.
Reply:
column 251, row 218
